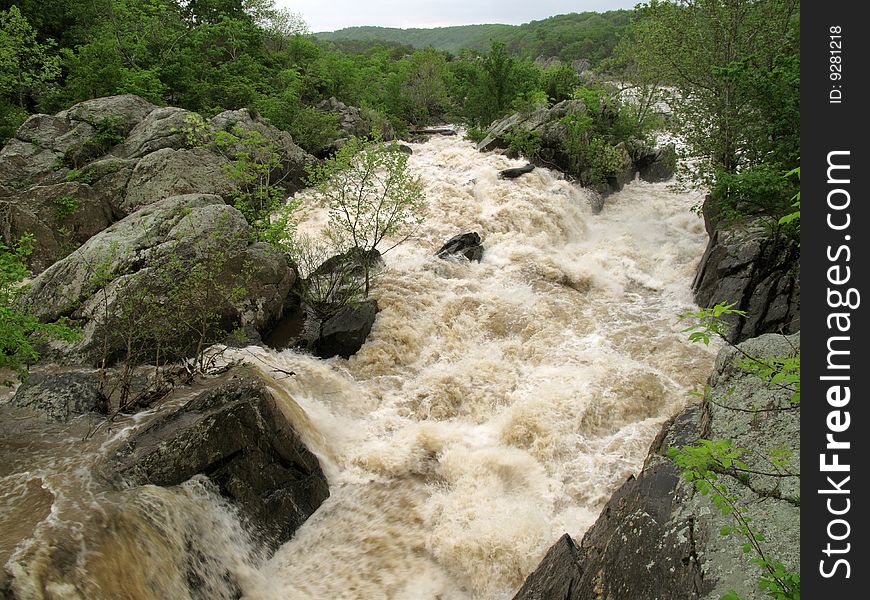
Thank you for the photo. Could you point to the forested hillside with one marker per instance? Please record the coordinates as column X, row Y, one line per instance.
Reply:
column 570, row 37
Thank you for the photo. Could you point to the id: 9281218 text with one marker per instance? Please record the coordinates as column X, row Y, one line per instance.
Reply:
column 835, row 64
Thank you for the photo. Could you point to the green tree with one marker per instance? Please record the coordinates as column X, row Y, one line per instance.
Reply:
column 27, row 68
column 20, row 332
column 724, row 57
column 371, row 197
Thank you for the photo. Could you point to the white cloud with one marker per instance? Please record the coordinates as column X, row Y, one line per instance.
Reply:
column 335, row 14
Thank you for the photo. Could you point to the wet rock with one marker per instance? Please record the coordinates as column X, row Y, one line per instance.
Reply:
column 99, row 285
column 657, row 164
column 557, row 576
column 760, row 274
column 344, row 333
column 514, row 173
column 237, row 436
column 62, row 396
column 658, row 538
column 465, row 244
column 446, row 131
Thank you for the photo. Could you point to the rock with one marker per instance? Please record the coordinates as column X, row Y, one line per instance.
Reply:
column 237, row 436
column 657, row 164
column 465, row 244
column 744, row 265
column 61, row 217
column 557, row 575
column 658, row 538
column 62, row 396
column 514, row 173
column 447, row 131
column 345, row 333
column 125, row 153
column 549, row 126
column 194, row 246
column 167, row 172
column 353, row 123
column 294, row 161
column 162, row 128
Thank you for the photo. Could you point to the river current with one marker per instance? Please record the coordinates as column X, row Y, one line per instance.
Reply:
column 494, row 407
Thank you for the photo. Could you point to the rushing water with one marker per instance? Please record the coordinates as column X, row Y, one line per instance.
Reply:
column 494, row 407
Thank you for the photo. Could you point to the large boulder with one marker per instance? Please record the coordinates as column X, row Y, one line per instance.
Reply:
column 164, row 268
column 344, row 333
column 62, row 396
column 743, row 264
column 237, row 436
column 61, row 217
column 658, row 538
column 353, row 122
column 119, row 154
column 464, row 244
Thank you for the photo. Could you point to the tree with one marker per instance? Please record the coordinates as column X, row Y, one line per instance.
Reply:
column 371, row 197
column 20, row 332
column 26, row 65
column 718, row 54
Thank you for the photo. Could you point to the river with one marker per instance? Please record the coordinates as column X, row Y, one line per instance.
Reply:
column 494, row 407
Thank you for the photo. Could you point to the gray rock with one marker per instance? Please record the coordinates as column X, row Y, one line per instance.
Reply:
column 514, row 173
column 236, row 435
column 62, row 396
column 345, row 333
column 163, row 128
column 96, row 284
column 60, row 217
column 352, row 122
column 292, row 173
column 658, row 538
column 126, row 109
column 167, row 172
column 464, row 244
column 744, row 265
column 657, row 164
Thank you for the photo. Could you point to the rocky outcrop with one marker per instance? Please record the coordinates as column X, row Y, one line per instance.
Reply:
column 237, row 436
column 186, row 255
column 760, row 273
column 464, row 244
column 550, row 126
column 103, row 159
column 352, row 122
column 62, row 396
column 658, row 538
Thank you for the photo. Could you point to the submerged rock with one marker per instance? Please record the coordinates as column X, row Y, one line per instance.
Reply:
column 514, row 173
column 237, row 436
column 62, row 396
column 465, row 244
column 658, row 538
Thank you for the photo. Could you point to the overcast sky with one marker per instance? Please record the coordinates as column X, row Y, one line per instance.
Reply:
column 329, row 15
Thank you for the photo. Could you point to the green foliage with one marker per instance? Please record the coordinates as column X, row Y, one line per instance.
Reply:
column 27, row 66
column 793, row 216
column 65, row 206
column 20, row 331
column 371, row 197
column 735, row 67
column 524, row 142
column 709, row 322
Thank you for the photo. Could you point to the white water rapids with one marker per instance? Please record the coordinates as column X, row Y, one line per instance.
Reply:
column 495, row 406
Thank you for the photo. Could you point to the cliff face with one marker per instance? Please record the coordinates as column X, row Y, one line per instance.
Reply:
column 743, row 264
column 658, row 538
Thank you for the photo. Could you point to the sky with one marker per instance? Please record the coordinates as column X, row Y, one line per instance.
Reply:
column 329, row 15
